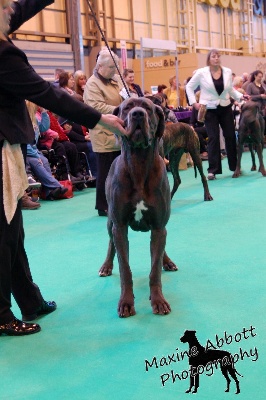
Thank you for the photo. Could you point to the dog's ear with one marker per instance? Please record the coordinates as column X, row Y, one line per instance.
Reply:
column 116, row 111
column 161, row 124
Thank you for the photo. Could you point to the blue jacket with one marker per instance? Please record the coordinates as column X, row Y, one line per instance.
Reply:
column 42, row 126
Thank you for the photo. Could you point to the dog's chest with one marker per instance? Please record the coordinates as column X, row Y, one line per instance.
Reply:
column 138, row 213
column 140, row 219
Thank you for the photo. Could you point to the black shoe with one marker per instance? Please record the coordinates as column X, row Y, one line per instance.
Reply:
column 46, row 308
column 63, row 190
column 54, row 194
column 18, row 328
column 57, row 193
column 80, row 176
column 102, row 213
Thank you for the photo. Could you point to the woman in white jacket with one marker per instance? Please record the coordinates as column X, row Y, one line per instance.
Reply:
column 216, row 88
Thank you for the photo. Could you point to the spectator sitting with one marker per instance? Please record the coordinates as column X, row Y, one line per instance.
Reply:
column 80, row 80
column 35, row 160
column 57, row 72
column 64, row 148
column 67, row 83
column 161, row 100
column 82, row 141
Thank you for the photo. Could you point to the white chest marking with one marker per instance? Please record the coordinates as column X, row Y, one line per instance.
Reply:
column 139, row 208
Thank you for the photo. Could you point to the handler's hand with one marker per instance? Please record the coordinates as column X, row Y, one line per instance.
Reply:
column 113, row 123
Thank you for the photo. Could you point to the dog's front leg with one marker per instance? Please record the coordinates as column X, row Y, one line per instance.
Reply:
column 158, row 302
column 107, row 267
column 126, row 302
column 192, row 383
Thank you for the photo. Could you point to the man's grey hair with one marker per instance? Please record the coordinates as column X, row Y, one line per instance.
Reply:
column 104, row 58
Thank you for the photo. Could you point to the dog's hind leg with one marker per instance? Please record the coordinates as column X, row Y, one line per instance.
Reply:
column 174, row 159
column 237, row 172
column 254, row 167
column 224, row 370
column 259, row 152
column 198, row 163
column 107, row 267
column 232, row 372
column 168, row 264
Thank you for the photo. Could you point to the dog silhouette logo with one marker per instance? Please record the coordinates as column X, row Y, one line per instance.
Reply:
column 202, row 359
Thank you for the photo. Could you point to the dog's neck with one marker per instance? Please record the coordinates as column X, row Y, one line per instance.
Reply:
column 139, row 161
column 195, row 343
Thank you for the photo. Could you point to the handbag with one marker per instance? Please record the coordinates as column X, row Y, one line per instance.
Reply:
column 67, row 184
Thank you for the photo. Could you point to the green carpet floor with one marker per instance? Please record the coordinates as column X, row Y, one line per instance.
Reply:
column 85, row 351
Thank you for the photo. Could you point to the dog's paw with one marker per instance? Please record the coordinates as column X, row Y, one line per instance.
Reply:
column 125, row 311
column 160, row 305
column 262, row 170
column 236, row 174
column 106, row 270
column 208, row 197
column 170, row 266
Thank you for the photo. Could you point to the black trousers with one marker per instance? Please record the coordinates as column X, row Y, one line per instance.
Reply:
column 222, row 116
column 15, row 275
column 104, row 162
column 69, row 150
column 202, row 135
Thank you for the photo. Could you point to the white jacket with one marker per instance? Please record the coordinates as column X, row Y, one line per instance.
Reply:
column 208, row 93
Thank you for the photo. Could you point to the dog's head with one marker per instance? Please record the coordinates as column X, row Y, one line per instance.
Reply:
column 188, row 336
column 249, row 111
column 144, row 121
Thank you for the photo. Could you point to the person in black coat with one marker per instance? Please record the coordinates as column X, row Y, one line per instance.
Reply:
column 19, row 81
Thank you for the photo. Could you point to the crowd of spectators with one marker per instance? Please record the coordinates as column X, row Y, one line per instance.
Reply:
column 104, row 90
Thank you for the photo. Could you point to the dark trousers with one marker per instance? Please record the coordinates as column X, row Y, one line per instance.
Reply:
column 222, row 116
column 202, row 135
column 86, row 148
column 15, row 275
column 69, row 150
column 104, row 162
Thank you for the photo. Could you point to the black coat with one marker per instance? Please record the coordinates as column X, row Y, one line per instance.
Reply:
column 19, row 81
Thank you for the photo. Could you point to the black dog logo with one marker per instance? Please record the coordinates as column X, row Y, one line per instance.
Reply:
column 200, row 358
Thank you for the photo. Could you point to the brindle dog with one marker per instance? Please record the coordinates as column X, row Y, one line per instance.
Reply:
column 179, row 138
column 138, row 195
column 251, row 131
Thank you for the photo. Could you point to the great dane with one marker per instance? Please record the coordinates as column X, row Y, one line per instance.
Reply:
column 201, row 358
column 138, row 195
column 251, row 131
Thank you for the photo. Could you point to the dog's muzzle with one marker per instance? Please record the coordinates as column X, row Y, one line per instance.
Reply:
column 138, row 132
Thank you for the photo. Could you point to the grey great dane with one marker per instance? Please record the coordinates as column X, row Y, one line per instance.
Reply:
column 138, row 196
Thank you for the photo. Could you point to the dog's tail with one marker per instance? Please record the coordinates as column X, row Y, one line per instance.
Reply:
column 234, row 368
column 238, row 373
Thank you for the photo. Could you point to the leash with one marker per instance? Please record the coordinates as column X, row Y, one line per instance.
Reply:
column 107, row 45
